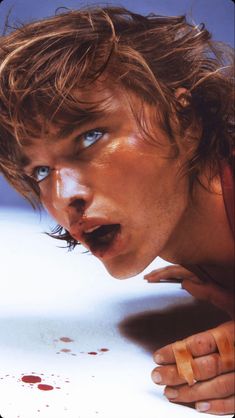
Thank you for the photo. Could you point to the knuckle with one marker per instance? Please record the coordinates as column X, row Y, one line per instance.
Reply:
column 223, row 386
column 171, row 373
column 209, row 366
column 202, row 345
column 216, row 363
column 222, row 407
column 168, row 268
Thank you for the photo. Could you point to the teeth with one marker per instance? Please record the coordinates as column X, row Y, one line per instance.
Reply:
column 87, row 231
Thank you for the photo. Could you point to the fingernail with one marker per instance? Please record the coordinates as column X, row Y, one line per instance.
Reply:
column 202, row 406
column 159, row 359
column 171, row 393
column 157, row 378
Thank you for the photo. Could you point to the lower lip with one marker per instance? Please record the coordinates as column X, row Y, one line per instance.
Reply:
column 111, row 250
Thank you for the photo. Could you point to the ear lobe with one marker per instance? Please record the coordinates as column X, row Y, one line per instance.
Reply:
column 182, row 95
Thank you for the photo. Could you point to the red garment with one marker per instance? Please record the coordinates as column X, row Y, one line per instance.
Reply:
column 227, row 183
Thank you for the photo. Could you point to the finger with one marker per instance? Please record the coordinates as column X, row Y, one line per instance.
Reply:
column 204, row 368
column 167, row 273
column 211, row 293
column 217, row 406
column 199, row 344
column 220, row 387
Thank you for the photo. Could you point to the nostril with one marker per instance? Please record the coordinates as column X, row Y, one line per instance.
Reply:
column 79, row 205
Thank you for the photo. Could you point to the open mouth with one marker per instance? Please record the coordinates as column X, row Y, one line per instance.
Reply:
column 102, row 237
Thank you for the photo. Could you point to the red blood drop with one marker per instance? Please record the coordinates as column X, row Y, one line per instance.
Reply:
column 66, row 339
column 65, row 350
column 93, row 353
column 31, row 379
column 103, row 350
column 45, row 387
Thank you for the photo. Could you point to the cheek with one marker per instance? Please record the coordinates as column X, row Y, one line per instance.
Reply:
column 46, row 200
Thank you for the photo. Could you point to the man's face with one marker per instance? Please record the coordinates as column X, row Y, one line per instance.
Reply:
column 112, row 190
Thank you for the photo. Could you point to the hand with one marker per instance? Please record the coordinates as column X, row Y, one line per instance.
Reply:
column 201, row 290
column 213, row 391
column 172, row 273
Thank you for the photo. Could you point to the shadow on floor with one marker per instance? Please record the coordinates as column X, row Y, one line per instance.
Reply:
column 152, row 330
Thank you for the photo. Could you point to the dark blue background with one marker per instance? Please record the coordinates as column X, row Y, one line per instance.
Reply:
column 218, row 15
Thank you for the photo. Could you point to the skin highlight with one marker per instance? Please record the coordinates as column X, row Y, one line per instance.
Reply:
column 84, row 174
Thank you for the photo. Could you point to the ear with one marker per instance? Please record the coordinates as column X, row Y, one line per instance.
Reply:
column 182, row 95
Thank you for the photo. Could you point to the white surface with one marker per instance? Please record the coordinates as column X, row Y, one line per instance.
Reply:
column 47, row 293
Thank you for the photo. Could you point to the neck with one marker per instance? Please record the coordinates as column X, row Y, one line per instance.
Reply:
column 203, row 234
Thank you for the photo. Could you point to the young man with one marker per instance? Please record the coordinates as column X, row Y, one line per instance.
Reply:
column 121, row 126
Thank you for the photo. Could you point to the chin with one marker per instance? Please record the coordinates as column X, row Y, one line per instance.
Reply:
column 121, row 271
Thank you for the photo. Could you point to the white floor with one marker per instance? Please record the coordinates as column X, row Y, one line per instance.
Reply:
column 46, row 294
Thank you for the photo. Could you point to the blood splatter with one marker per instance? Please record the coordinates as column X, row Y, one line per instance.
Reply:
column 103, row 350
column 45, row 387
column 65, row 350
column 92, row 353
column 31, row 379
column 66, row 340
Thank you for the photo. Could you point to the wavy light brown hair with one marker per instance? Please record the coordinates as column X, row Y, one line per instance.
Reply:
column 43, row 63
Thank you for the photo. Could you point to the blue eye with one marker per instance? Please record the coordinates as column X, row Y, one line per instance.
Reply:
column 91, row 137
column 41, row 172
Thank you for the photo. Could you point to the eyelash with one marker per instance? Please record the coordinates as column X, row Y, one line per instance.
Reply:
column 79, row 139
column 36, row 169
column 101, row 131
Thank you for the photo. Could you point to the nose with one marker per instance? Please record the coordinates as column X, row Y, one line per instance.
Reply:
column 70, row 196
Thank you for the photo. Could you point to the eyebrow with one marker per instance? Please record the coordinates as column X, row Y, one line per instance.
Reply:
column 68, row 129
column 25, row 161
column 63, row 133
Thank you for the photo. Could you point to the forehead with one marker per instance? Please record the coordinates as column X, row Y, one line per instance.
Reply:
column 84, row 106
column 96, row 103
